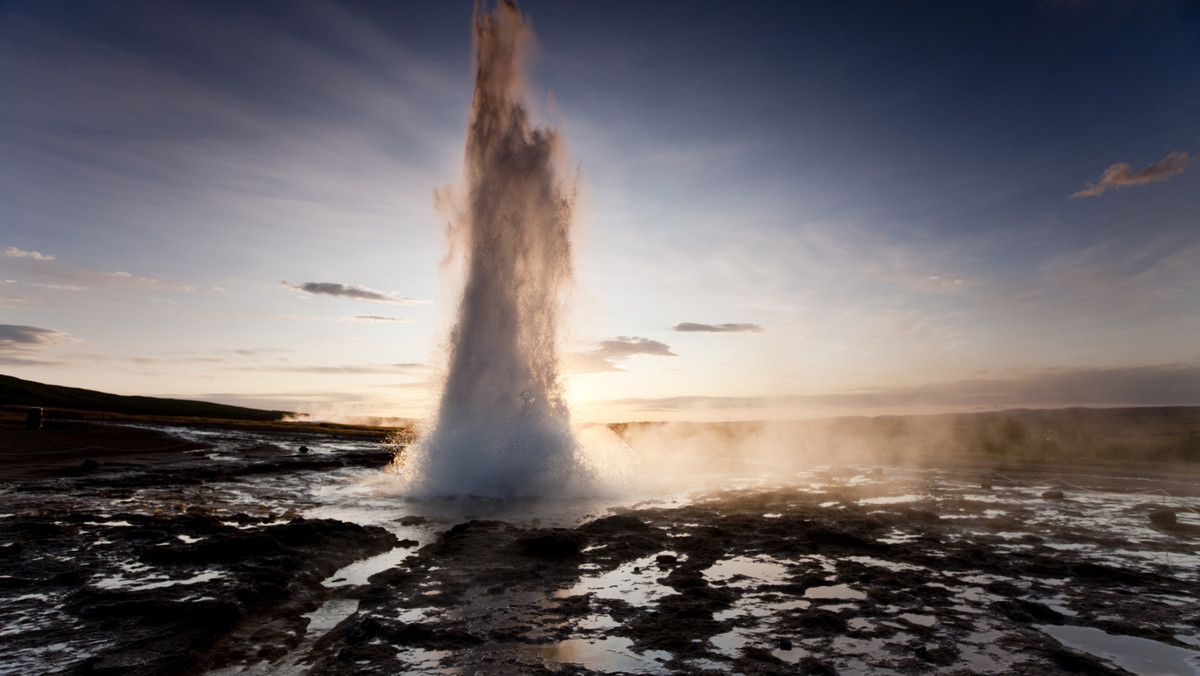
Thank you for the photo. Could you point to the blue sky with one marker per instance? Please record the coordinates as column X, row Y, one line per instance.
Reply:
column 791, row 209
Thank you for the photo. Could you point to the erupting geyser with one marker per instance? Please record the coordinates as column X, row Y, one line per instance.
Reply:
column 503, row 426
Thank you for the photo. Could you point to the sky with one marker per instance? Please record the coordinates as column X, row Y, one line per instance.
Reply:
column 786, row 210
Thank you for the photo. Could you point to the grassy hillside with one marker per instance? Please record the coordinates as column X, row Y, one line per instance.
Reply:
column 17, row 392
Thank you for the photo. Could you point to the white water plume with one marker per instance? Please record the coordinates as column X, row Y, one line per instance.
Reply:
column 503, row 427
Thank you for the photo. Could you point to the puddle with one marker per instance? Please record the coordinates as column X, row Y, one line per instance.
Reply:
column 321, row 620
column 837, row 592
column 153, row 582
column 919, row 620
column 603, row 654
column 742, row 571
column 894, row 566
column 1139, row 655
column 892, row 499
column 358, row 572
column 635, row 582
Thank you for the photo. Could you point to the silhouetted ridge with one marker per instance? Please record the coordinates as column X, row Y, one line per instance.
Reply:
column 17, row 392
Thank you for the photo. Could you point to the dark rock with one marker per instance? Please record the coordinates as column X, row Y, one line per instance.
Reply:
column 363, row 629
column 616, row 523
column 1027, row 612
column 70, row 578
column 822, row 623
column 920, row 515
column 1098, row 572
column 812, row 666
column 556, row 544
column 1072, row 662
column 1163, row 517
column 666, row 560
column 238, row 547
column 1053, row 495
column 943, row 655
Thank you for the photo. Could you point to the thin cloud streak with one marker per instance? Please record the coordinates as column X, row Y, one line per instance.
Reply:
column 1122, row 175
column 718, row 328
column 376, row 318
column 46, row 271
column 348, row 291
column 1159, row 385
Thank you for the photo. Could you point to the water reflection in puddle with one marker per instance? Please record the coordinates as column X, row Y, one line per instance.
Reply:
column 743, row 571
column 635, row 582
column 603, row 654
column 1139, row 655
column 839, row 592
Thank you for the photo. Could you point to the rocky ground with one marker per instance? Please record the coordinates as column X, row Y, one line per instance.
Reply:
column 139, row 566
column 807, row 587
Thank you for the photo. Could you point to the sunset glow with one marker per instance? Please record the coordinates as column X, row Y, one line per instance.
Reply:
column 789, row 210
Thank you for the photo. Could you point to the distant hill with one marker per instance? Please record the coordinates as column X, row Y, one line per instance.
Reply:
column 17, row 392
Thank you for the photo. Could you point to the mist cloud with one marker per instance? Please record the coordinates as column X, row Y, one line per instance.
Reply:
column 1122, row 174
column 719, row 328
column 611, row 353
column 348, row 291
column 626, row 346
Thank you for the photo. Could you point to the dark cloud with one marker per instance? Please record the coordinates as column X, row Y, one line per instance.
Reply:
column 17, row 337
column 1122, row 174
column 719, row 328
column 606, row 358
column 348, row 291
column 18, row 342
column 1160, row 385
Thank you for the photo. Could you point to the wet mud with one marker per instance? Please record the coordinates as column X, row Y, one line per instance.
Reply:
column 758, row 583
column 246, row 555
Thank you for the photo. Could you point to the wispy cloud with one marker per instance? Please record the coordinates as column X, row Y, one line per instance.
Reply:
column 14, row 252
column 1121, row 174
column 718, row 328
column 1155, row 385
column 348, row 291
column 18, row 343
column 38, row 270
column 611, row 353
column 375, row 318
column 340, row 369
